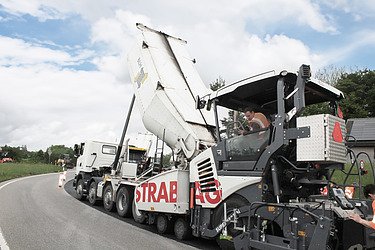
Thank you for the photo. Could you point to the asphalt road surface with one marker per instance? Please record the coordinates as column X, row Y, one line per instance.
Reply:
column 36, row 214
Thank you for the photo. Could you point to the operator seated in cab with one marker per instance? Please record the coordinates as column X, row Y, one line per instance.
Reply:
column 253, row 137
column 256, row 121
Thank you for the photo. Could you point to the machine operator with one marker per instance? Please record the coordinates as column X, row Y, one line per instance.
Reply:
column 255, row 120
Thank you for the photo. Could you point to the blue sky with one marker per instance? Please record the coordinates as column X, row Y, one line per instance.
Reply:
column 65, row 61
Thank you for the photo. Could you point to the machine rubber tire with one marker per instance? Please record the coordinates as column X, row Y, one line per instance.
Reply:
column 93, row 199
column 124, row 201
column 138, row 215
column 182, row 229
column 163, row 225
column 235, row 201
column 79, row 190
column 108, row 202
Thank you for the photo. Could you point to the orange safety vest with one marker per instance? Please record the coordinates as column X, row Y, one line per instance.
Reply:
column 259, row 121
column 373, row 214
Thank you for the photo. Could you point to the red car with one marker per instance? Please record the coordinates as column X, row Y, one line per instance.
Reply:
column 7, row 159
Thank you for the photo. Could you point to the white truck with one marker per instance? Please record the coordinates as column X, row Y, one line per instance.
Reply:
column 94, row 161
column 254, row 191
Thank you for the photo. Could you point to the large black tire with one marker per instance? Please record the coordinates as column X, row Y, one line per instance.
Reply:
column 79, row 190
column 108, row 202
column 93, row 199
column 124, row 202
column 138, row 215
column 182, row 229
column 235, row 201
column 163, row 224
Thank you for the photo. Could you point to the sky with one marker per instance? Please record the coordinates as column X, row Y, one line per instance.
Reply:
column 63, row 71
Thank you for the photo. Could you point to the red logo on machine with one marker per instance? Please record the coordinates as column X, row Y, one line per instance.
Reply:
column 161, row 192
column 208, row 197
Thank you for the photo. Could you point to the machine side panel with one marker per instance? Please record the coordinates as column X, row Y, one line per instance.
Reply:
column 167, row 192
column 311, row 148
column 327, row 139
column 211, row 189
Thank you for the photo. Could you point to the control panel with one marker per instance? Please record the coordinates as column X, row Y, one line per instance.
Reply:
column 339, row 196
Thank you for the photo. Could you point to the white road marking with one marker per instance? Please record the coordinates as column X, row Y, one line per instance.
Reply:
column 3, row 242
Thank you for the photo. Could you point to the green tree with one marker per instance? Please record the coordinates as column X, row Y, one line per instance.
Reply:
column 358, row 87
column 330, row 75
column 58, row 151
column 359, row 90
column 36, row 157
column 217, row 84
column 167, row 160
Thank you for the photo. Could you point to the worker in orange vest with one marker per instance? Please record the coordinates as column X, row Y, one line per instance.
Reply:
column 369, row 192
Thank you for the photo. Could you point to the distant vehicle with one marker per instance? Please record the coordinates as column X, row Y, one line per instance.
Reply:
column 65, row 161
column 6, row 159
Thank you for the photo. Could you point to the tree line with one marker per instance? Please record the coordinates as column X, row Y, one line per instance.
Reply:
column 358, row 87
column 21, row 154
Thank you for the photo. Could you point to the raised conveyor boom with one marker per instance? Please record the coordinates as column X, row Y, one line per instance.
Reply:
column 166, row 84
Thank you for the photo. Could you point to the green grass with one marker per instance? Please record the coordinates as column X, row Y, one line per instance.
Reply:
column 10, row 171
column 339, row 177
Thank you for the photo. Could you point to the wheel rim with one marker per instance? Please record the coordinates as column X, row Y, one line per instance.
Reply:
column 122, row 202
column 179, row 228
column 161, row 223
column 108, row 197
column 92, row 194
column 79, row 189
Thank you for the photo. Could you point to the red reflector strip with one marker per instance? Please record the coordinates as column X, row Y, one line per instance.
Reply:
column 191, row 198
column 337, row 134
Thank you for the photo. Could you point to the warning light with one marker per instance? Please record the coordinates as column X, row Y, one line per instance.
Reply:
column 362, row 167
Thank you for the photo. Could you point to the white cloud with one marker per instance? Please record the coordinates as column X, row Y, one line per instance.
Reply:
column 117, row 33
column 33, row 7
column 52, row 104
column 298, row 12
column 18, row 52
column 48, row 106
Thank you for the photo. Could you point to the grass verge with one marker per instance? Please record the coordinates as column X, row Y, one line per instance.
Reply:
column 10, row 171
column 367, row 178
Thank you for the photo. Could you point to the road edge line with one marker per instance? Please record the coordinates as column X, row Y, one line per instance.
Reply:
column 3, row 243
